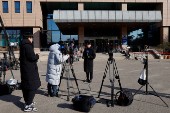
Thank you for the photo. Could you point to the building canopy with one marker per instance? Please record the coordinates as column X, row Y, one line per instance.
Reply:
column 71, row 16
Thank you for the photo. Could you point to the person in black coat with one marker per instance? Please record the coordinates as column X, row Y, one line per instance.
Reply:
column 88, row 56
column 30, row 80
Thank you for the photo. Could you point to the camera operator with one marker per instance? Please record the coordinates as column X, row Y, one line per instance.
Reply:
column 71, row 54
column 54, row 68
column 30, row 80
column 88, row 56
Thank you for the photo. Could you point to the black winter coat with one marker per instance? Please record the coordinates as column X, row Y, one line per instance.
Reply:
column 88, row 61
column 28, row 66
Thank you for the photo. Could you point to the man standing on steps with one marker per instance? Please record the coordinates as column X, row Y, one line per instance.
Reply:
column 88, row 56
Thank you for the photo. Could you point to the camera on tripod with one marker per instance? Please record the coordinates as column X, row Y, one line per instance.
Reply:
column 67, row 48
column 10, row 85
column 64, row 47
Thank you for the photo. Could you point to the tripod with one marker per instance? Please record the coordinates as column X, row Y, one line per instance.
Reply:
column 110, row 61
column 4, row 68
column 67, row 67
column 147, row 83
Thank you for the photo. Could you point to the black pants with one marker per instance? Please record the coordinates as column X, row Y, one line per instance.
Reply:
column 91, row 75
column 28, row 95
column 71, row 59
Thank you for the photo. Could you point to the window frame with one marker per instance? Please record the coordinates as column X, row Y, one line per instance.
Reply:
column 27, row 6
column 15, row 7
column 5, row 10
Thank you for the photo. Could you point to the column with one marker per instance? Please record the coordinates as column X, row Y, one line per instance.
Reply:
column 81, row 34
column 124, row 6
column 123, row 30
column 123, row 36
column 164, row 34
column 81, row 29
column 80, row 6
column 36, row 35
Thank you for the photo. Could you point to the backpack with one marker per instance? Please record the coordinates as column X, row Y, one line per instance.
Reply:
column 142, row 78
column 5, row 89
column 83, row 103
column 124, row 98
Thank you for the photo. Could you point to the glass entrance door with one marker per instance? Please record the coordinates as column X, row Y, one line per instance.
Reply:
column 101, row 45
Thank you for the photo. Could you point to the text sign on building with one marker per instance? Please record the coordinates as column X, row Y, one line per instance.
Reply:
column 124, row 40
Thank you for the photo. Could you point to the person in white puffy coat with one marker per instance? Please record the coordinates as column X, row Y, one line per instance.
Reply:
column 54, row 68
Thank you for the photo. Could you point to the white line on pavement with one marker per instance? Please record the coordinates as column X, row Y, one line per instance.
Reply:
column 134, row 70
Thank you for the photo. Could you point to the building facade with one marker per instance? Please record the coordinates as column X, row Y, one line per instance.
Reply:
column 100, row 21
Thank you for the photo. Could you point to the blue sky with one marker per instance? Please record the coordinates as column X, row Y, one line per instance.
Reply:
column 56, row 34
column 139, row 31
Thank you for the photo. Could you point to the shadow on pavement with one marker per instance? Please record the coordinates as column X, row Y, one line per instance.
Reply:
column 134, row 90
column 43, row 75
column 13, row 99
column 41, row 92
column 142, row 92
column 66, row 105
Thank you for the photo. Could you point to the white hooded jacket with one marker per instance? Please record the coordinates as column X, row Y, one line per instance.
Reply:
column 54, row 67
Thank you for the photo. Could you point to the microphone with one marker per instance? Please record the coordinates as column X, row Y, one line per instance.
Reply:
column 87, row 51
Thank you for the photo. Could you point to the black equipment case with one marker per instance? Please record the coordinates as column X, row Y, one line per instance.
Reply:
column 83, row 103
column 5, row 89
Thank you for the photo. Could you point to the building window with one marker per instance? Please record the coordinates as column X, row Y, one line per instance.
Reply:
column 29, row 7
column 17, row 7
column 5, row 6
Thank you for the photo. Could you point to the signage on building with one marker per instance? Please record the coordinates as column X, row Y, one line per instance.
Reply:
column 124, row 40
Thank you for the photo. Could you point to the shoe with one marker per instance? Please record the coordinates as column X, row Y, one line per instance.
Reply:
column 87, row 80
column 53, row 95
column 48, row 95
column 90, row 81
column 29, row 108
column 57, row 95
column 32, row 104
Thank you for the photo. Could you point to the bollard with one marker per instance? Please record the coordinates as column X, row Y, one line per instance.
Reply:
column 168, row 56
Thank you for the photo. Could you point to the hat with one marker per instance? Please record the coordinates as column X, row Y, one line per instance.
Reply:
column 28, row 35
column 58, row 45
column 88, row 43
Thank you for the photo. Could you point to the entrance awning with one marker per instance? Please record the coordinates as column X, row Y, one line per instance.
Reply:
column 71, row 16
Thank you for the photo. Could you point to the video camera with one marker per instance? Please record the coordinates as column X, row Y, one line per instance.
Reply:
column 65, row 47
column 6, row 62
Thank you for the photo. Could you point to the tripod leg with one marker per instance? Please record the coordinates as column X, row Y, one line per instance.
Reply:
column 101, row 85
column 72, row 70
column 104, row 76
column 137, row 90
column 112, row 93
column 62, row 73
column 11, row 72
column 159, row 96
column 68, row 86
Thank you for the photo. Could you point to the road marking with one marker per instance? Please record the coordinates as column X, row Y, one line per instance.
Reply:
column 134, row 70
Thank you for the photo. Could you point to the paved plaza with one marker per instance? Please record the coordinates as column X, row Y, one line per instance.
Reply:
column 129, row 71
